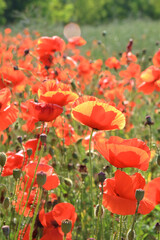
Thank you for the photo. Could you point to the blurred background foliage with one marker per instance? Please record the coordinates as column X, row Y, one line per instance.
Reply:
column 81, row 11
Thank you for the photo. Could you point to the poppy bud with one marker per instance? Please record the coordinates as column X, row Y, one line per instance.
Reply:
column 139, row 194
column 148, row 121
column 41, row 178
column 51, row 151
column 104, row 33
column 157, row 227
column 66, row 226
column 144, row 51
column 99, row 210
column 131, row 234
column 68, row 182
column 26, row 51
column 74, row 155
column 99, row 42
column 73, row 85
column 3, row 191
column 19, row 138
column 29, row 152
column 3, row 158
column 43, row 138
column 101, row 177
column 16, row 173
column 158, row 160
column 6, row 230
column 70, row 166
column 15, row 68
column 6, row 203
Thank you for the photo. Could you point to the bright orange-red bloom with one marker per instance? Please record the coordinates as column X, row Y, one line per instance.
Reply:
column 119, row 194
column 50, row 45
column 55, row 92
column 156, row 59
column 97, row 114
column 152, row 190
column 52, row 221
column 149, row 80
column 52, row 178
column 45, row 112
column 8, row 113
column 112, row 62
column 76, row 41
column 123, row 153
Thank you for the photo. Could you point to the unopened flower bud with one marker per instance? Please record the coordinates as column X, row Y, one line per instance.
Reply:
column 3, row 158
column 101, row 177
column 66, row 226
column 41, row 178
column 6, row 230
column 43, row 138
column 19, row 138
column 6, row 203
column 157, row 227
column 26, row 51
column 16, row 173
column 104, row 33
column 99, row 210
column 131, row 234
column 51, row 151
column 99, row 42
column 15, row 68
column 148, row 121
column 139, row 194
column 29, row 152
column 68, row 182
column 158, row 160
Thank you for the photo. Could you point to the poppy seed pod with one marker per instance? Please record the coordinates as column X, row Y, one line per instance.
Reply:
column 16, row 173
column 139, row 194
column 41, row 178
column 3, row 158
column 29, row 151
column 6, row 230
column 43, row 138
column 66, row 226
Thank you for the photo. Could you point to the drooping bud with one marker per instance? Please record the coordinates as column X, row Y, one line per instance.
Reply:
column 139, row 194
column 66, row 226
column 99, row 210
column 3, row 158
column 104, row 33
column 6, row 230
column 68, row 182
column 131, row 234
column 41, row 178
column 6, row 203
column 19, row 139
column 16, row 173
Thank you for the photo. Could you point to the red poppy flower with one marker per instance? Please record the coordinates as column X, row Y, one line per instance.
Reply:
column 76, row 41
column 50, row 45
column 8, row 113
column 52, row 178
column 97, row 114
column 112, row 62
column 123, row 153
column 45, row 112
column 149, row 80
column 152, row 190
column 55, row 92
column 132, row 71
column 14, row 160
column 156, row 59
column 119, row 194
column 52, row 221
column 128, row 57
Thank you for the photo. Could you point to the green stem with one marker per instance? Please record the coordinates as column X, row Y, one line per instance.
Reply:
column 120, row 227
column 35, row 214
column 29, row 193
column 135, row 216
column 91, row 176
